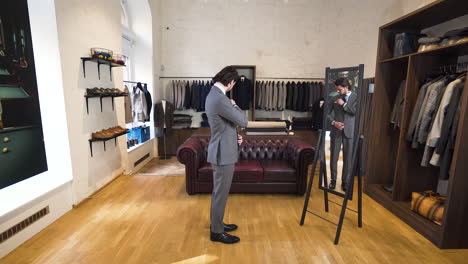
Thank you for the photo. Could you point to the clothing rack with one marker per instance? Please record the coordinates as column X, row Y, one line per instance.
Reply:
column 169, row 77
column 453, row 68
column 287, row 78
column 263, row 78
column 134, row 82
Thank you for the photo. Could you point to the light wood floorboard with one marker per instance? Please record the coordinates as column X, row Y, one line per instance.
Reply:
column 151, row 219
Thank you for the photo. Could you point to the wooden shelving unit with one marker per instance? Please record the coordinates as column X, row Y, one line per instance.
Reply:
column 391, row 160
column 99, row 62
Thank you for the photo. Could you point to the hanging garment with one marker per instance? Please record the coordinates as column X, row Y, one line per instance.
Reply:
column 312, row 97
column 416, row 111
column 257, row 95
column 242, row 93
column 305, row 98
column 317, row 114
column 423, row 112
column 283, row 96
column 436, row 129
column 172, row 95
column 127, row 106
column 149, row 102
column 288, row 95
column 188, row 96
column 429, row 109
column 446, row 141
column 140, row 113
column 397, row 112
column 194, row 95
column 295, row 96
column 163, row 118
column 448, row 153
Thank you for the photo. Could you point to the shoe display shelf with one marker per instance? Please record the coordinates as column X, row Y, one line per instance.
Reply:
column 100, row 62
column 104, row 140
column 100, row 96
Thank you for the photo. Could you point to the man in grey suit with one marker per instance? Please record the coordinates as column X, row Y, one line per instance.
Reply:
column 342, row 119
column 223, row 116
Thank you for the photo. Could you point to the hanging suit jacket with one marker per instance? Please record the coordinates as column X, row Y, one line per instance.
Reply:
column 188, row 96
column 289, row 96
column 446, row 141
column 397, row 112
column 436, row 129
column 242, row 93
column 194, row 95
column 149, row 102
column 139, row 113
column 163, row 118
column 428, row 110
column 127, row 105
column 416, row 111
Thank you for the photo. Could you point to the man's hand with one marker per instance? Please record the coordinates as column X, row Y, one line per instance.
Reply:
column 340, row 101
column 239, row 139
column 233, row 102
column 338, row 125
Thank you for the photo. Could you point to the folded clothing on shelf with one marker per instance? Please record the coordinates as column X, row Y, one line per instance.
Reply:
column 266, row 128
column 302, row 123
column 405, row 43
column 428, row 43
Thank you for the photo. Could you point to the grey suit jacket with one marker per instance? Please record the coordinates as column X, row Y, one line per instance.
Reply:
column 223, row 118
column 345, row 114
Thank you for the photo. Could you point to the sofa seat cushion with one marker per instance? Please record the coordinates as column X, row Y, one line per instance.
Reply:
column 248, row 170
column 245, row 170
column 278, row 170
column 205, row 173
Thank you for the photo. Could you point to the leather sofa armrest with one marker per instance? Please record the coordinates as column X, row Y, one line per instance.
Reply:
column 191, row 153
column 300, row 153
column 300, row 156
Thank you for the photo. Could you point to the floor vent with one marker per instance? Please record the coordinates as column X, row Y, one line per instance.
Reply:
column 23, row 224
column 141, row 160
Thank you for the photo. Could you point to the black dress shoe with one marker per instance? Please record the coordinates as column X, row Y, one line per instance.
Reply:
column 332, row 185
column 229, row 227
column 224, row 238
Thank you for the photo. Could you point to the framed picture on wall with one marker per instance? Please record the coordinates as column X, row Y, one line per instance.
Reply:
column 21, row 138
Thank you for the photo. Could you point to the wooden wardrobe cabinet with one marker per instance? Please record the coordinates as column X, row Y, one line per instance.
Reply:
column 390, row 156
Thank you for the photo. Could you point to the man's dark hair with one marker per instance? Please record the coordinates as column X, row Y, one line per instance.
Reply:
column 226, row 75
column 343, row 82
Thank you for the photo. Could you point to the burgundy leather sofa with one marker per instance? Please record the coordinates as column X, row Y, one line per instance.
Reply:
column 267, row 164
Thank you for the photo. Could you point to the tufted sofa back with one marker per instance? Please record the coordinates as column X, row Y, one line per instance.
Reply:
column 258, row 147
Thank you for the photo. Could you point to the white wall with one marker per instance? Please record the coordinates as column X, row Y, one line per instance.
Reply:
column 409, row 6
column 295, row 38
column 53, row 187
column 83, row 24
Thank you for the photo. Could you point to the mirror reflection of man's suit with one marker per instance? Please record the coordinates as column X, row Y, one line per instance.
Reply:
column 345, row 114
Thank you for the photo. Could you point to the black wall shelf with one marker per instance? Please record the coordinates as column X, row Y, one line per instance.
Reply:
column 104, row 141
column 99, row 63
column 100, row 99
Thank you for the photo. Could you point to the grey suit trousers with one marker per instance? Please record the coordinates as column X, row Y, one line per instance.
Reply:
column 337, row 139
column 222, row 179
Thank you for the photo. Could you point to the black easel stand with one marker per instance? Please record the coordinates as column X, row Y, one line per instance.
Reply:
column 349, row 188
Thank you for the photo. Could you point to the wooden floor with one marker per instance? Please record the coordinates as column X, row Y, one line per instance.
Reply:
column 151, row 219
